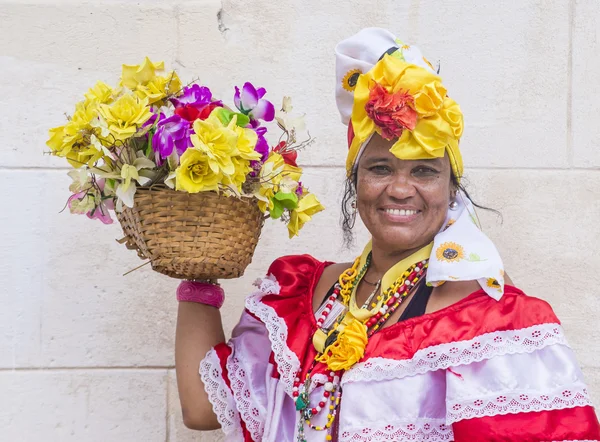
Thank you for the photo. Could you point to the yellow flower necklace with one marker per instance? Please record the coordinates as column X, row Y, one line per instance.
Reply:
column 341, row 340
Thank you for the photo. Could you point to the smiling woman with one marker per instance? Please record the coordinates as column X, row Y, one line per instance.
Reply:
column 422, row 337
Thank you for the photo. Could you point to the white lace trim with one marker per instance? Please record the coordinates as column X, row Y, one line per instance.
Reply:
column 443, row 356
column 248, row 409
column 575, row 395
column 287, row 361
column 432, row 430
column 219, row 393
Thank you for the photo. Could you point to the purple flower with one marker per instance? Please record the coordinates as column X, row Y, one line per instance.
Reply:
column 195, row 95
column 150, row 121
column 250, row 102
column 262, row 146
column 172, row 132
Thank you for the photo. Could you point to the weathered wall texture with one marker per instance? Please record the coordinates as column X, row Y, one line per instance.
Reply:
column 87, row 355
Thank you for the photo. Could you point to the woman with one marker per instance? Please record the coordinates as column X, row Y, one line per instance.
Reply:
column 423, row 337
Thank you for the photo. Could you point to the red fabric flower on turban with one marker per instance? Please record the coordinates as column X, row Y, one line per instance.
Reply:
column 391, row 112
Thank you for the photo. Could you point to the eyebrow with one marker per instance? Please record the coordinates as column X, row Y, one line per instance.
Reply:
column 437, row 161
column 434, row 161
column 373, row 160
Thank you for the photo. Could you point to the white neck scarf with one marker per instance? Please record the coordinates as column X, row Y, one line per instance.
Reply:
column 462, row 252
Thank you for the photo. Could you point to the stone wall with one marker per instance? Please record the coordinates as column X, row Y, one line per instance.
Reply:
column 87, row 355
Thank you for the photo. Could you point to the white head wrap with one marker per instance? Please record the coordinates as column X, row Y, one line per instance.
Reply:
column 358, row 54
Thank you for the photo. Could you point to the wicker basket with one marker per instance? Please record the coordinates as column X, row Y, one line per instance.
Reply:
column 192, row 236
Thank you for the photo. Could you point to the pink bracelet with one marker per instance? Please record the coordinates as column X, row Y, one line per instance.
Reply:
column 201, row 292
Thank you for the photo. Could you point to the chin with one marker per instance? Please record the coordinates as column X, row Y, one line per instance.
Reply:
column 395, row 240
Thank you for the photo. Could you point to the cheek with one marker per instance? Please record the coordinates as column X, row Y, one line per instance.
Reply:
column 437, row 199
column 369, row 190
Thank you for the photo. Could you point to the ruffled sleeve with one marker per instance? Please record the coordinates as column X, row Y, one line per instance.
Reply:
column 251, row 376
column 528, row 387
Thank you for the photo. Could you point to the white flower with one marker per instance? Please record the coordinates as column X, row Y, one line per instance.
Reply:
column 101, row 124
column 81, row 180
column 286, row 122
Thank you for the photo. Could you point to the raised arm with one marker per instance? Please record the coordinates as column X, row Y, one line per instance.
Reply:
column 199, row 328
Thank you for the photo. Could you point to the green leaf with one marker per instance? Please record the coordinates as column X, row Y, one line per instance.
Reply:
column 288, row 200
column 225, row 116
column 149, row 147
column 277, row 209
column 474, row 257
column 242, row 120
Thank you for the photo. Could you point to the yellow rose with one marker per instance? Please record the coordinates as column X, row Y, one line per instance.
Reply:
column 101, row 93
column 238, row 178
column 56, row 142
column 194, row 173
column 308, row 206
column 125, row 116
column 133, row 75
column 159, row 87
column 72, row 140
column 144, row 81
column 270, row 175
column 246, row 142
column 348, row 348
column 218, row 142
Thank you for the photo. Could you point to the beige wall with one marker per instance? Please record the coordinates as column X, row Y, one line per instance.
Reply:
column 87, row 355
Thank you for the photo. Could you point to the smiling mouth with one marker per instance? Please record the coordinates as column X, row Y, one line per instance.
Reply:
column 401, row 212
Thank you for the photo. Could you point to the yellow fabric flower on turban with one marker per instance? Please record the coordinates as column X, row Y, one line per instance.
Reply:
column 385, row 101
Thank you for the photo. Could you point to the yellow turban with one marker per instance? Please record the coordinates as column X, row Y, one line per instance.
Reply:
column 436, row 124
column 389, row 87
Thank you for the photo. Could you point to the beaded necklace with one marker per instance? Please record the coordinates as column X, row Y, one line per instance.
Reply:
column 342, row 294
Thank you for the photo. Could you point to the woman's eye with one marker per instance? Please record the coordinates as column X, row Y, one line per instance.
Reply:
column 380, row 169
column 423, row 170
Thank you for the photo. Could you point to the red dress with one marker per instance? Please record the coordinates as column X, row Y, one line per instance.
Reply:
column 478, row 370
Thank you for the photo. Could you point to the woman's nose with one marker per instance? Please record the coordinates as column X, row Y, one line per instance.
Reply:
column 401, row 187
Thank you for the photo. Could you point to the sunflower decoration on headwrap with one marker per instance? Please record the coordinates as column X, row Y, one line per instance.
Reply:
column 389, row 88
column 350, row 79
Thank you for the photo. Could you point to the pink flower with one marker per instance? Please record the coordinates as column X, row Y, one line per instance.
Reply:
column 101, row 212
column 391, row 112
column 92, row 203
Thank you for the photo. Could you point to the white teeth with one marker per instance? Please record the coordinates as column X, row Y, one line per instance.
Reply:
column 401, row 212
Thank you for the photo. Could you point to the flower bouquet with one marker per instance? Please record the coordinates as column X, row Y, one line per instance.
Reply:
column 189, row 179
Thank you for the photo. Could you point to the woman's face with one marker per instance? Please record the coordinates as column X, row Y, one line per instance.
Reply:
column 403, row 203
